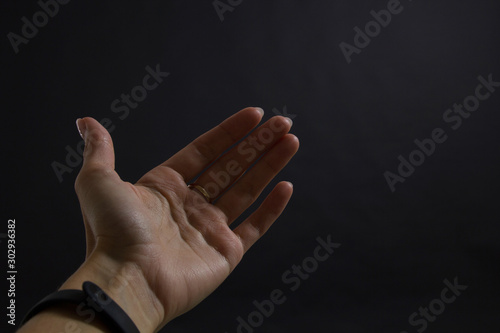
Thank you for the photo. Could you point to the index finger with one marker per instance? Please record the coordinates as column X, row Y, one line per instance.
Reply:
column 196, row 156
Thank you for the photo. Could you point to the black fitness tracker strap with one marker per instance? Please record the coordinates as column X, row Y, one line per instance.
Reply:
column 111, row 311
column 91, row 297
column 62, row 296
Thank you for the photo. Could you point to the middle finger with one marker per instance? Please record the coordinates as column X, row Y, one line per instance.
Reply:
column 230, row 166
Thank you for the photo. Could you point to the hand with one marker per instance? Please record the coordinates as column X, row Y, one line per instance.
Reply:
column 161, row 242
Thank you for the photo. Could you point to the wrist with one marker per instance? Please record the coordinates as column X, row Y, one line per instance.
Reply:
column 125, row 284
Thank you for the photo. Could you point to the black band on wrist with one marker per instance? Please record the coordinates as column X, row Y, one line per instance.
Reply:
column 92, row 297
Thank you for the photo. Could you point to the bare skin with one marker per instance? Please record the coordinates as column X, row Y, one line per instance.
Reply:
column 157, row 247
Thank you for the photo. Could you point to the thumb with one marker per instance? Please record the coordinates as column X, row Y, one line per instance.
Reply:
column 98, row 166
column 98, row 153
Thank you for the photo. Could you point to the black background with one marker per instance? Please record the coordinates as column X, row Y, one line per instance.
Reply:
column 353, row 121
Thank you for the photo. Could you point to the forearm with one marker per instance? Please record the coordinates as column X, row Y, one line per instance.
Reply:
column 123, row 283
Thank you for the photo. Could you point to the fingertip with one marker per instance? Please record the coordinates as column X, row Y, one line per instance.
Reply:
column 286, row 189
column 255, row 112
column 294, row 140
column 95, row 131
column 250, row 116
column 99, row 150
column 259, row 110
column 81, row 126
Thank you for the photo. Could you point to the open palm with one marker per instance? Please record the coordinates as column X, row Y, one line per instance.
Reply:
column 182, row 243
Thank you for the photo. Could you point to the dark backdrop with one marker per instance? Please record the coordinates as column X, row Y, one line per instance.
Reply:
column 353, row 119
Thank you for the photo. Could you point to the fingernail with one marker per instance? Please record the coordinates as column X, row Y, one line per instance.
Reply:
column 291, row 184
column 289, row 120
column 82, row 127
column 261, row 111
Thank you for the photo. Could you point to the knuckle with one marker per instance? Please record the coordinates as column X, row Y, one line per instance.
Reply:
column 90, row 174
